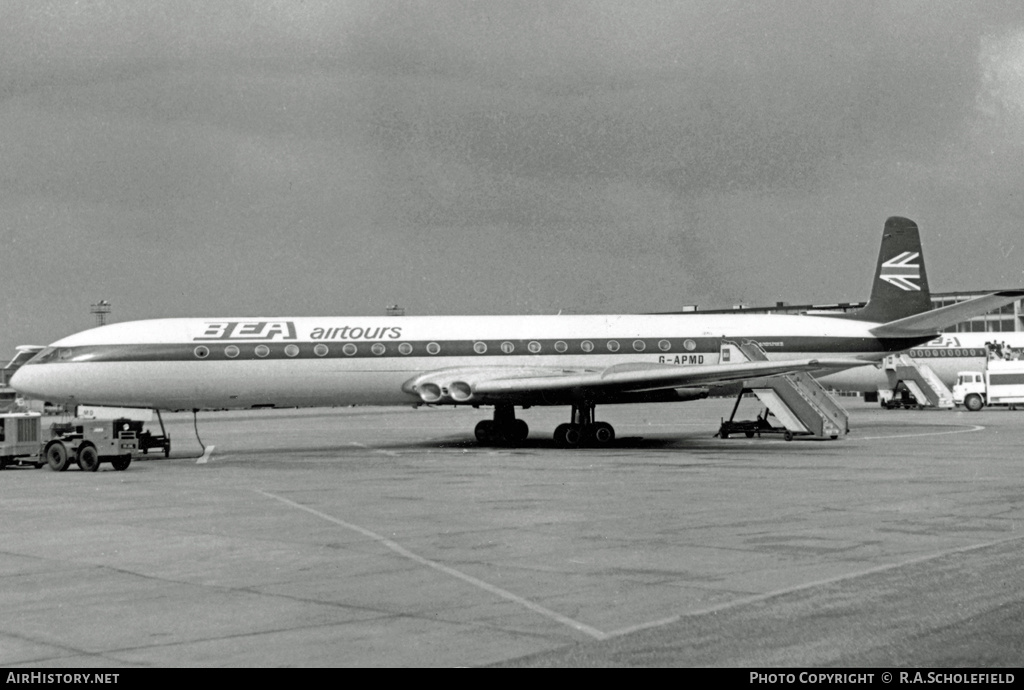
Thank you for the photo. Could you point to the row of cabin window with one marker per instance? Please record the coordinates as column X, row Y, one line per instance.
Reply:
column 971, row 352
column 350, row 349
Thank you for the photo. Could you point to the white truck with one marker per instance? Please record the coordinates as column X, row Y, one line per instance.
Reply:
column 1001, row 383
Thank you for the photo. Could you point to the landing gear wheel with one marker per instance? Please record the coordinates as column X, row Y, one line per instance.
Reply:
column 568, row 435
column 602, row 433
column 484, row 431
column 88, row 459
column 121, row 463
column 57, row 457
column 503, row 430
column 520, row 430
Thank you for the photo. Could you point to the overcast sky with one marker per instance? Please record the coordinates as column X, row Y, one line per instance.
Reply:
column 326, row 158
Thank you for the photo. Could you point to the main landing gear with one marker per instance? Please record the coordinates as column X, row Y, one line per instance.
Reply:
column 583, row 430
column 505, row 429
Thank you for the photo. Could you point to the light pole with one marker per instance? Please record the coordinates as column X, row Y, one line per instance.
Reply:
column 100, row 310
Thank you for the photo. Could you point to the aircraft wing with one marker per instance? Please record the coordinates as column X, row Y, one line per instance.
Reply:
column 488, row 385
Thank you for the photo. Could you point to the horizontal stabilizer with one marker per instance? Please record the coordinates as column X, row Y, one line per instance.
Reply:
column 935, row 320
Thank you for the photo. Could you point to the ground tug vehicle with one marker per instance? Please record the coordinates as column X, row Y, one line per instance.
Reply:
column 89, row 442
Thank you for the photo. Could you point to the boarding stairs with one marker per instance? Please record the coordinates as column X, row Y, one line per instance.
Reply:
column 797, row 400
column 926, row 387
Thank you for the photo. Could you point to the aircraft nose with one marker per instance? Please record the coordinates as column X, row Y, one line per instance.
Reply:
column 30, row 382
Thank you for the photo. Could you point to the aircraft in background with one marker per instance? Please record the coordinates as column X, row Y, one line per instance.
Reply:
column 8, row 396
column 947, row 355
column 579, row 361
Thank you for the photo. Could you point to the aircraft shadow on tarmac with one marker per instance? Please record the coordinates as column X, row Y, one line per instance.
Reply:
column 693, row 442
column 680, row 442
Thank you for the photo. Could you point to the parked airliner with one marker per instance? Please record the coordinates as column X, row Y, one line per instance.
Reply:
column 947, row 355
column 506, row 362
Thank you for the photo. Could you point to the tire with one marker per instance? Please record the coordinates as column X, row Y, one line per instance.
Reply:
column 484, row 431
column 748, row 433
column 520, row 430
column 973, row 402
column 602, row 433
column 88, row 459
column 57, row 456
column 568, row 435
column 788, row 435
column 121, row 463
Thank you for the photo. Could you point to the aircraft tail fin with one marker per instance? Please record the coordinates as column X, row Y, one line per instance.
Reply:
column 900, row 288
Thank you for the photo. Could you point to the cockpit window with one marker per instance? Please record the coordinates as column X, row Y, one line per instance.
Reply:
column 43, row 356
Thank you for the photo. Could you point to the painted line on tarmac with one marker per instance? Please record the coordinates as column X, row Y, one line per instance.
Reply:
column 486, row 586
column 807, row 585
column 976, row 427
column 375, row 450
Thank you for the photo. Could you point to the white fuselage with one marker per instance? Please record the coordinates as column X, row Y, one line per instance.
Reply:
column 321, row 361
column 947, row 355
